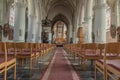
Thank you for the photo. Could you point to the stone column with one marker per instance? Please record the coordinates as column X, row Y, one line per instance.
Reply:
column 39, row 32
column 77, row 18
column 39, row 21
column 81, row 19
column 74, row 36
column 88, row 20
column 31, row 22
column 19, row 21
column 32, row 32
column 84, row 25
column 70, row 33
column 100, row 23
column 3, row 17
column 117, row 10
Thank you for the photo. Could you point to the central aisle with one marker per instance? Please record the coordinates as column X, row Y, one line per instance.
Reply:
column 60, row 68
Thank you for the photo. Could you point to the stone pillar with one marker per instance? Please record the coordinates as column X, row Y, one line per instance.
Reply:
column 70, row 33
column 39, row 32
column 82, row 16
column 81, row 20
column 2, row 11
column 88, row 21
column 100, row 23
column 39, row 11
column 31, row 22
column 3, row 17
column 33, row 30
column 117, row 10
column 84, row 25
column 74, row 36
column 19, row 22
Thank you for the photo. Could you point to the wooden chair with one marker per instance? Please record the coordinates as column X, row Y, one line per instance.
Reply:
column 3, row 59
column 25, row 53
column 42, row 49
column 88, row 52
column 99, row 62
column 110, row 62
column 35, row 51
column 6, row 62
column 38, row 49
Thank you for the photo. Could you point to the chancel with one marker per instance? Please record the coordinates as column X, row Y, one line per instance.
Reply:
column 59, row 39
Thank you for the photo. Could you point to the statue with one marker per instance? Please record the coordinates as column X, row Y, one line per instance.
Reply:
column 5, row 30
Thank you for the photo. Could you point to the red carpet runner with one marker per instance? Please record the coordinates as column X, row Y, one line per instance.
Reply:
column 60, row 68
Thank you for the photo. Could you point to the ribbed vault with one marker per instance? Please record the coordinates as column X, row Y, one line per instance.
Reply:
column 56, row 7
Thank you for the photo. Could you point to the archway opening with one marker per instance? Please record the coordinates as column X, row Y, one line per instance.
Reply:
column 59, row 33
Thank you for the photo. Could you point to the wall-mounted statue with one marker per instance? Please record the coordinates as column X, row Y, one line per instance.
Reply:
column 5, row 30
column 113, row 31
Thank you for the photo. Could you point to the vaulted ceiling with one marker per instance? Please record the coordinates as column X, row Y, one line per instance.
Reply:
column 63, row 7
column 70, row 4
